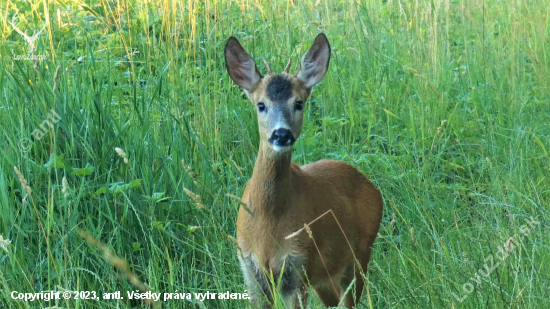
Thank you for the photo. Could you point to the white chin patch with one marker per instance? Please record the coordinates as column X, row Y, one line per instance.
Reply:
column 281, row 148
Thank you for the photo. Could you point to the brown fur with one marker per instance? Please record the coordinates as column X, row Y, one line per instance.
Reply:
column 283, row 196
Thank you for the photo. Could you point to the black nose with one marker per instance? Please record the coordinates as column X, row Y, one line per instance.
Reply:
column 282, row 137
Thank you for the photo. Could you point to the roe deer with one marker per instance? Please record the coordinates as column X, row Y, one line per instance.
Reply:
column 282, row 196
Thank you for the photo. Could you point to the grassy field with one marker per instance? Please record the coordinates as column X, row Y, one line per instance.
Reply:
column 444, row 105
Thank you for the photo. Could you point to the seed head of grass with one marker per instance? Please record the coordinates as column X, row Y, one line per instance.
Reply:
column 195, row 197
column 4, row 243
column 393, row 222
column 189, row 170
column 308, row 230
column 24, row 183
column 65, row 187
column 117, row 262
column 443, row 122
column 196, row 179
column 121, row 154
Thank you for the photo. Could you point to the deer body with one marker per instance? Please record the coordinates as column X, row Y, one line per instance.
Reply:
column 282, row 196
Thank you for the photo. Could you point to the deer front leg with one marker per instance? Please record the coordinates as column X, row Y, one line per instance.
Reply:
column 301, row 297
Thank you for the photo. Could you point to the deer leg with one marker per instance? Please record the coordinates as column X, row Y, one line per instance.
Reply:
column 354, row 294
column 328, row 296
column 301, row 302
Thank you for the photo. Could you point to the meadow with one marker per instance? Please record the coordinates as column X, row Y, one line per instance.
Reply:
column 444, row 105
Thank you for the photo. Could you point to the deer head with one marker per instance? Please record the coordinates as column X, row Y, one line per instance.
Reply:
column 279, row 98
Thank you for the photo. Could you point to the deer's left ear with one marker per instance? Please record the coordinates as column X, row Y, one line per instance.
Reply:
column 315, row 62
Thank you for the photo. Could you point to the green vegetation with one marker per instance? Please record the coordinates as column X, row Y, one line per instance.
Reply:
column 445, row 105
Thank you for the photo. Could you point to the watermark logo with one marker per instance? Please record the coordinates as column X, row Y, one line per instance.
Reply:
column 29, row 42
column 501, row 254
column 25, row 144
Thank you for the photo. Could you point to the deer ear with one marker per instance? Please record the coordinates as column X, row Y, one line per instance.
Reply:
column 241, row 66
column 315, row 62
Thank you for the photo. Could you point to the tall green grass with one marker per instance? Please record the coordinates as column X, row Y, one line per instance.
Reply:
column 443, row 104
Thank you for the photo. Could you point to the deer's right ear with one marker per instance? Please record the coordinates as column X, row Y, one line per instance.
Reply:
column 241, row 66
column 315, row 62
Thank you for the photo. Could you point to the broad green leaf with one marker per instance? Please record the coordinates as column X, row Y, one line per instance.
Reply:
column 55, row 162
column 87, row 170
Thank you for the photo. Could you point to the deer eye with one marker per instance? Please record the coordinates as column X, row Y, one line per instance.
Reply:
column 299, row 105
column 261, row 107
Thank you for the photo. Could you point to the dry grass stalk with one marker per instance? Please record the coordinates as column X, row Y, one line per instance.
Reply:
column 27, row 188
column 241, row 203
column 118, row 263
column 300, row 230
column 310, row 234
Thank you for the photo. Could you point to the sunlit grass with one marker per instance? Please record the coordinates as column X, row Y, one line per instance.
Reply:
column 443, row 104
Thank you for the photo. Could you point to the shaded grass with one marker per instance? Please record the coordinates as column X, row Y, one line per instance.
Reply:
column 148, row 77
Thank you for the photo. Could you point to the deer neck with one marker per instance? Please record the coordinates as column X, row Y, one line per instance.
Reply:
column 271, row 181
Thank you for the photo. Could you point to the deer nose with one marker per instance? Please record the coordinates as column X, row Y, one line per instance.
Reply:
column 282, row 137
